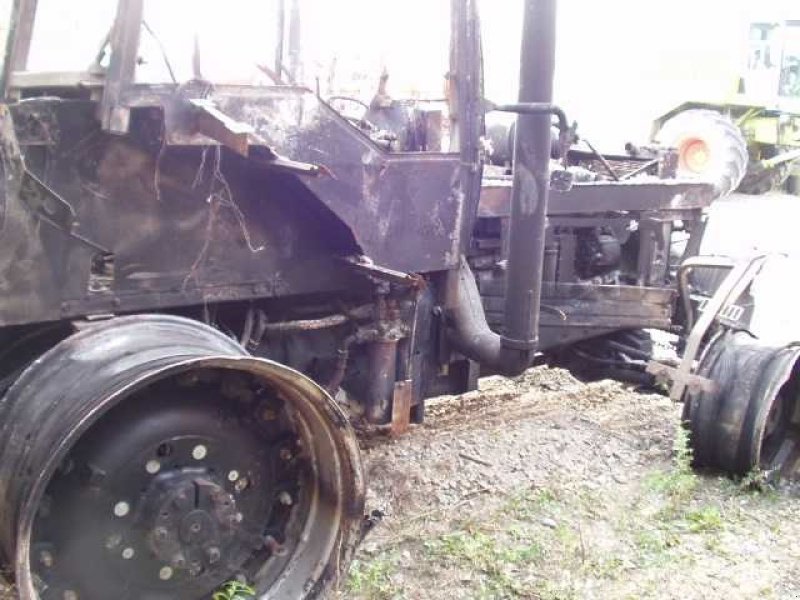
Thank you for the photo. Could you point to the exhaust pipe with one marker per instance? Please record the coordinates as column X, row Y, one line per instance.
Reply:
column 513, row 351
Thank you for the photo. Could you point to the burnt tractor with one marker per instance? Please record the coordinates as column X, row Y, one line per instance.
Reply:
column 205, row 285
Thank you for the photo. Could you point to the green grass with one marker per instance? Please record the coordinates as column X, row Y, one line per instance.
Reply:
column 704, row 519
column 372, row 579
column 495, row 560
column 679, row 483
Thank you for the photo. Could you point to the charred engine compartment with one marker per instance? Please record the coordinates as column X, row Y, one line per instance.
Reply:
column 616, row 233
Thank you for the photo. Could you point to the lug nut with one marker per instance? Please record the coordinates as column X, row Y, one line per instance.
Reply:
column 274, row 546
column 152, row 467
column 195, row 568
column 46, row 558
column 128, row 553
column 233, row 476
column 121, row 509
column 96, row 475
column 213, row 555
column 178, row 561
column 285, row 498
column 242, row 484
column 164, row 450
column 165, row 574
column 199, row 452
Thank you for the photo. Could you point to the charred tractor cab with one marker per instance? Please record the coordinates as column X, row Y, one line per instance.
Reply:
column 210, row 271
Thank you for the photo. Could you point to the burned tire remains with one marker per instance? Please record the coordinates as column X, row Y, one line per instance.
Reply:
column 751, row 419
column 150, row 456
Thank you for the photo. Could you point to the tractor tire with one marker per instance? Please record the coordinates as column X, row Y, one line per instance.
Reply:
column 759, row 180
column 710, row 147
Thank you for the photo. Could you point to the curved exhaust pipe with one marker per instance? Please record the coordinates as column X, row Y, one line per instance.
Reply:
column 513, row 351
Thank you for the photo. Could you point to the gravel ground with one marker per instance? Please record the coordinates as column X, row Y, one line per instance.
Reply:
column 545, row 487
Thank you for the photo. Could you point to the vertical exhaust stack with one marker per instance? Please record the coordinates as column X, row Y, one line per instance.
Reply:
column 514, row 350
column 531, row 178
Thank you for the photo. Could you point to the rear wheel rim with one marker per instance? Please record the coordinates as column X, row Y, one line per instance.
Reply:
column 197, row 490
column 63, row 397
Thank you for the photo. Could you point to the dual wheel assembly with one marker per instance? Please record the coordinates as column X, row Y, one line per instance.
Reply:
column 749, row 420
column 150, row 457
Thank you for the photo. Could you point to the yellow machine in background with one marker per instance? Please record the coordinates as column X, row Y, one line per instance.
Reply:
column 765, row 106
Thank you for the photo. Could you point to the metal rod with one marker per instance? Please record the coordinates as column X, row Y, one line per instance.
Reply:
column 639, row 170
column 281, row 38
column 295, row 42
column 382, row 356
column 602, row 159
column 535, row 108
column 781, row 159
column 306, row 324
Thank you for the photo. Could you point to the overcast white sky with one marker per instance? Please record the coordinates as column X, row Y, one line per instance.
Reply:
column 620, row 62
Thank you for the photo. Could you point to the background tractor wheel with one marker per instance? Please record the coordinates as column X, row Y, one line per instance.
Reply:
column 710, row 147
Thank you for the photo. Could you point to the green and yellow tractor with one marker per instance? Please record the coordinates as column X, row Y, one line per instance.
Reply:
column 764, row 106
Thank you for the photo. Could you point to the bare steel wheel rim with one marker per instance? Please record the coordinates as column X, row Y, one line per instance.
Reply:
column 227, row 468
column 197, row 489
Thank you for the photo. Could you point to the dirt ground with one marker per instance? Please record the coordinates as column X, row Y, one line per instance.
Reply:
column 545, row 487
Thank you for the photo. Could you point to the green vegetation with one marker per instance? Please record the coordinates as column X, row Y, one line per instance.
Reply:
column 371, row 579
column 234, row 590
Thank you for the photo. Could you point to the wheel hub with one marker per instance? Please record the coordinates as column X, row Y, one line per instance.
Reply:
column 192, row 520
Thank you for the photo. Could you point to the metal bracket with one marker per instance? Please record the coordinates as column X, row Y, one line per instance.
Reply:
column 401, row 407
column 741, row 275
column 365, row 265
column 51, row 208
column 215, row 124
